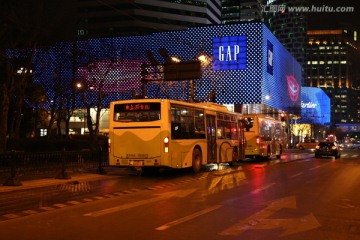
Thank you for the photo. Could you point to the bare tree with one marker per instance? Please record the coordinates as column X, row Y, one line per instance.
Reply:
column 14, row 19
column 23, row 25
column 98, row 73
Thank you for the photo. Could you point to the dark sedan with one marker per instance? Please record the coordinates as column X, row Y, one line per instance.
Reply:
column 327, row 149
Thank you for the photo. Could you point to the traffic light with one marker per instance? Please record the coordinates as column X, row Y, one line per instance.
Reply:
column 282, row 115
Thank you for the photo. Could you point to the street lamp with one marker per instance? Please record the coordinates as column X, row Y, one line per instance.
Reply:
column 175, row 59
column 204, row 59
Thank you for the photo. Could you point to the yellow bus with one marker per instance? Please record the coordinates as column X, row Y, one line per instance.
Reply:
column 155, row 133
column 265, row 137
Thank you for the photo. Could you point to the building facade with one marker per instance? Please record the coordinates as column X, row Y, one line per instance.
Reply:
column 141, row 17
column 333, row 64
column 289, row 27
column 242, row 64
column 241, row 11
column 315, row 115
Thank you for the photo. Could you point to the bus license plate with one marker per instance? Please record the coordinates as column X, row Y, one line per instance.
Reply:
column 137, row 163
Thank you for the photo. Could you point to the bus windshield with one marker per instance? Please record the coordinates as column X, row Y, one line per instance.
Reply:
column 139, row 112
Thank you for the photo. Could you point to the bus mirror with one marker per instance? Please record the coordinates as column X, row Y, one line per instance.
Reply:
column 248, row 123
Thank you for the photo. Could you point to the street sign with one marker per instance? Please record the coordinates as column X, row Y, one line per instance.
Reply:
column 182, row 71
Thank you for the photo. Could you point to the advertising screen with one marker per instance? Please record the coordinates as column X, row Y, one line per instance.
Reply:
column 281, row 87
column 315, row 106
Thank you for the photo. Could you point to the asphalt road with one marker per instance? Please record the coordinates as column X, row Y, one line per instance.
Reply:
column 298, row 197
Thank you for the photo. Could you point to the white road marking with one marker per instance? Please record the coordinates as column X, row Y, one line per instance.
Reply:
column 262, row 188
column 296, row 175
column 180, row 193
column 313, row 168
column 187, row 218
column 261, row 220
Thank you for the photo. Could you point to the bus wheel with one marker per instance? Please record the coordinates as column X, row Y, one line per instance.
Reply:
column 196, row 160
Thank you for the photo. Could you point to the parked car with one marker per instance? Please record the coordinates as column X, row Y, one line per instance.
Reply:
column 327, row 149
column 308, row 144
column 351, row 145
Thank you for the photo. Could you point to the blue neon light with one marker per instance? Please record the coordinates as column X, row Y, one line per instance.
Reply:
column 270, row 57
column 315, row 106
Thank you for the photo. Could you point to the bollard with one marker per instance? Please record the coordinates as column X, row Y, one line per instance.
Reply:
column 100, row 168
column 63, row 174
column 13, row 180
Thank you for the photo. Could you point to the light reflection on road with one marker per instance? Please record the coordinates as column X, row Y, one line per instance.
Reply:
column 226, row 179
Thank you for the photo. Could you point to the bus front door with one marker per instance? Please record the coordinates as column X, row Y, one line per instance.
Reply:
column 211, row 138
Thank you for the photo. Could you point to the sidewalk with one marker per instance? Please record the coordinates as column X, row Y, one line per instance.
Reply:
column 111, row 172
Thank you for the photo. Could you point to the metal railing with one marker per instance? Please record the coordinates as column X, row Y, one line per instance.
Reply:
column 31, row 164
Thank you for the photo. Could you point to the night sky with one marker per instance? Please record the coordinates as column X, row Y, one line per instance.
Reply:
column 56, row 19
column 334, row 20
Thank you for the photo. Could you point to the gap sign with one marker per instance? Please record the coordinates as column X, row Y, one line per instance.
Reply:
column 229, row 53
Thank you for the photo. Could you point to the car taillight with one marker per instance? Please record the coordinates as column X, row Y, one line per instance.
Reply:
column 258, row 140
column 166, row 144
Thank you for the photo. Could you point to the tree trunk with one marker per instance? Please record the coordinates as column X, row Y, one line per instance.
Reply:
column 4, row 109
column 6, row 90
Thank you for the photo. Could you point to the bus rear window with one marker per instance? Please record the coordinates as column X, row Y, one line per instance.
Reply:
column 137, row 112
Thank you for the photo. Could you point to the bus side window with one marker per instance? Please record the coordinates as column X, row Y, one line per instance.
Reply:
column 227, row 130
column 176, row 132
column 154, row 116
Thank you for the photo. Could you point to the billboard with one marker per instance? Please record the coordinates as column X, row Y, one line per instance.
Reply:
column 315, row 106
column 229, row 53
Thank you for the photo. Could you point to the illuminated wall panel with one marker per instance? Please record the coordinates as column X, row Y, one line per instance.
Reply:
column 281, row 76
column 315, row 106
column 247, row 64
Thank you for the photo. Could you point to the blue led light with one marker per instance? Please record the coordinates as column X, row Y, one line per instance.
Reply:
column 315, row 106
column 243, row 78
